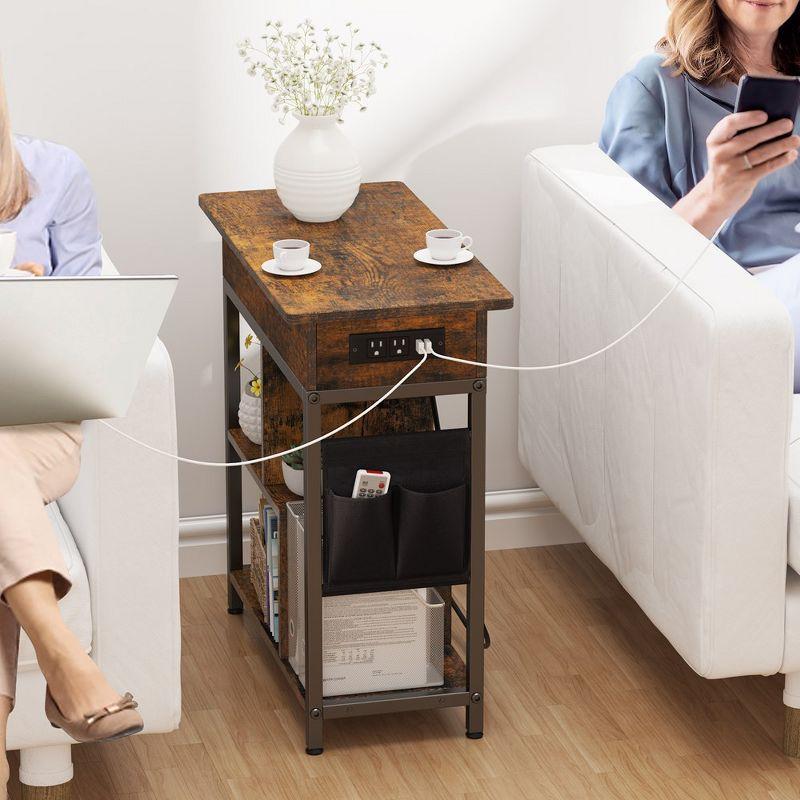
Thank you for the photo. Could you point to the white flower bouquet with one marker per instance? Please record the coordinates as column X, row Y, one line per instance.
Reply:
column 314, row 74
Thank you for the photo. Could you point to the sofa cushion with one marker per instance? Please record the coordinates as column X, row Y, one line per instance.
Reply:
column 75, row 607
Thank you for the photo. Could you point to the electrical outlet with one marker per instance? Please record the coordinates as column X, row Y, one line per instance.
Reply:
column 392, row 345
column 399, row 345
column 376, row 347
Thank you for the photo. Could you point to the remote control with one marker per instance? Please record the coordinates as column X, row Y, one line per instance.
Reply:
column 371, row 483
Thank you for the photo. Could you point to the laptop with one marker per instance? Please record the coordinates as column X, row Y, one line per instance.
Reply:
column 74, row 348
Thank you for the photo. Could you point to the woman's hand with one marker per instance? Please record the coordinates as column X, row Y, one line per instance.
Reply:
column 32, row 267
column 736, row 163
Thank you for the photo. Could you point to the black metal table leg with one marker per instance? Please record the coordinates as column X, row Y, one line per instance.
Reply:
column 312, row 428
column 475, row 588
column 233, row 476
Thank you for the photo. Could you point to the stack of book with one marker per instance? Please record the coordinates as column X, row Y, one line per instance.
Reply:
column 269, row 526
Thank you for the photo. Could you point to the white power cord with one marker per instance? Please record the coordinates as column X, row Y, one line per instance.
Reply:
column 429, row 348
column 303, row 446
column 425, row 349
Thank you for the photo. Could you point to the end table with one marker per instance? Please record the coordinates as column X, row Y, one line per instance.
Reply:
column 313, row 381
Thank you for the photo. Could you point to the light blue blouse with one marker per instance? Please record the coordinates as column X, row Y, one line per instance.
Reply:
column 58, row 227
column 656, row 127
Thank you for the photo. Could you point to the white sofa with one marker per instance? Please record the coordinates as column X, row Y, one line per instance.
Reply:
column 118, row 528
column 670, row 454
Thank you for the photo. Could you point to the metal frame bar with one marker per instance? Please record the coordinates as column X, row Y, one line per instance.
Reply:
column 427, row 389
column 317, row 709
column 477, row 559
column 396, row 701
column 312, row 488
column 233, row 475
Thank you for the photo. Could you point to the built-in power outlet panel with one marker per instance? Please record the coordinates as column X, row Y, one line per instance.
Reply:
column 366, row 348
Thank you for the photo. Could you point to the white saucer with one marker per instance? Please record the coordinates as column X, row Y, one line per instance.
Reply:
column 272, row 267
column 425, row 257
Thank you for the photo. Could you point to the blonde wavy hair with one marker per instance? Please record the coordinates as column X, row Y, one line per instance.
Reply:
column 699, row 42
column 15, row 184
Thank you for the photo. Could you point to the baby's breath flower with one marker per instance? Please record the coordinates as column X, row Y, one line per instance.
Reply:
column 313, row 76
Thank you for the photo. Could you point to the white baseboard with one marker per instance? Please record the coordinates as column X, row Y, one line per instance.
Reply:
column 202, row 545
column 514, row 518
column 525, row 518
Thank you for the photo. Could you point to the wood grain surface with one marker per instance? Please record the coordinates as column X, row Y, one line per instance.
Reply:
column 791, row 732
column 282, row 415
column 586, row 700
column 295, row 343
column 62, row 792
column 367, row 257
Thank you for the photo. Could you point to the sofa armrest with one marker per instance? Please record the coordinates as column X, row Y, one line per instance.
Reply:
column 123, row 514
column 669, row 452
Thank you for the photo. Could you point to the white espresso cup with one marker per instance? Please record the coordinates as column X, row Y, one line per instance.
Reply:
column 444, row 244
column 291, row 254
column 8, row 245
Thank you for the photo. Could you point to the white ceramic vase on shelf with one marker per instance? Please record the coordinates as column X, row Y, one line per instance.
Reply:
column 317, row 172
column 251, row 418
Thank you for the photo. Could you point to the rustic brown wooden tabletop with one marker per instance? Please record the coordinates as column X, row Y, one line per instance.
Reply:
column 367, row 257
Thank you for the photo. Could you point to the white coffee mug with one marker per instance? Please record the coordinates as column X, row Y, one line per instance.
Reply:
column 8, row 245
column 291, row 254
column 444, row 244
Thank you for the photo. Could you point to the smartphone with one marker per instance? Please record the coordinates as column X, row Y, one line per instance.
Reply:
column 778, row 97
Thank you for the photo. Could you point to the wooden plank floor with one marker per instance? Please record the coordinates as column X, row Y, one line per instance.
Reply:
column 585, row 699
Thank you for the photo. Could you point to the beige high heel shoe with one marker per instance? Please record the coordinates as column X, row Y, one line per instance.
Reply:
column 114, row 721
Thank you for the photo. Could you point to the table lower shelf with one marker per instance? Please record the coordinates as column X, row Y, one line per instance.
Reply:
column 453, row 693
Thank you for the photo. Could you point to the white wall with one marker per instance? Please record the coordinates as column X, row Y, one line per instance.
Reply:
column 153, row 96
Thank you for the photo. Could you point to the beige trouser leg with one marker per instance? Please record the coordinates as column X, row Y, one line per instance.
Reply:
column 38, row 464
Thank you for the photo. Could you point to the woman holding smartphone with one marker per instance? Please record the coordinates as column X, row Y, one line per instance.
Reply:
column 670, row 124
column 46, row 197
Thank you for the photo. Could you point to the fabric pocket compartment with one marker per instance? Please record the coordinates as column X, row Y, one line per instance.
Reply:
column 359, row 542
column 431, row 534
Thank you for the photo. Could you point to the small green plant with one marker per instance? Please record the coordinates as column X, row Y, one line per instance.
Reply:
column 294, row 460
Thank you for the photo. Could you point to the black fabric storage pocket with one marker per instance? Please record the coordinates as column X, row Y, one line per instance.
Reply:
column 359, row 541
column 431, row 533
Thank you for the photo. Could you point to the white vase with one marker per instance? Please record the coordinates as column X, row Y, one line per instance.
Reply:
column 317, row 172
column 293, row 478
column 251, row 418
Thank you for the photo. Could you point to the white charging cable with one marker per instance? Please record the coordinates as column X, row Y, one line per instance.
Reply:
column 425, row 349
column 299, row 447
column 429, row 348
